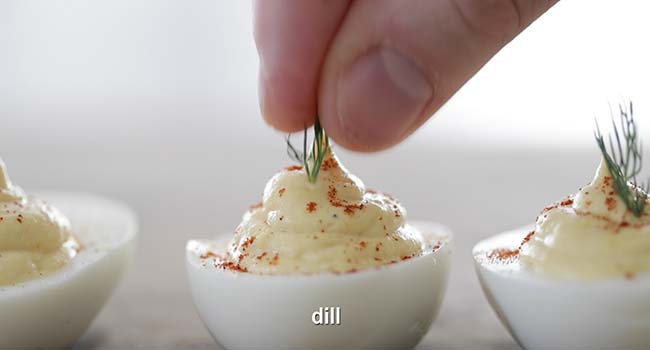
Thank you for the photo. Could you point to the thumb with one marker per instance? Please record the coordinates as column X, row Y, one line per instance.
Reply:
column 394, row 63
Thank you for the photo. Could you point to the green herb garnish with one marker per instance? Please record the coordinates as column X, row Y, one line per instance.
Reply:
column 624, row 159
column 313, row 160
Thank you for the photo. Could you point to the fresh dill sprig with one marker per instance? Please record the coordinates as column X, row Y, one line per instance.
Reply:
column 624, row 159
column 313, row 160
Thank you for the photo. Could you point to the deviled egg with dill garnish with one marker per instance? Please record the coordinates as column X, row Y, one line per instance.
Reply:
column 320, row 239
column 57, row 270
column 580, row 278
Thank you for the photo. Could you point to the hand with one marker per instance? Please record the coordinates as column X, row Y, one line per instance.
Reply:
column 375, row 70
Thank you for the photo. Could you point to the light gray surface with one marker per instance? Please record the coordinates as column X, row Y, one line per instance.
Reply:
column 475, row 193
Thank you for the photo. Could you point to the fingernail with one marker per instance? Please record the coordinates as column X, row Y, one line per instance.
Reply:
column 379, row 97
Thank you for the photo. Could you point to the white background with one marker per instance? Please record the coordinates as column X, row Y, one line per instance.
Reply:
column 114, row 66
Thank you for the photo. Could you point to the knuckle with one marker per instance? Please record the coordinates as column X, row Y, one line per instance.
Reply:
column 494, row 20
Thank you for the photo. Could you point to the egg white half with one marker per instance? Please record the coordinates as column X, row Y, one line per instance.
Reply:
column 55, row 310
column 387, row 307
column 548, row 313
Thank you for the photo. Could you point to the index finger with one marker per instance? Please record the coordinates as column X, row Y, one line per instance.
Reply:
column 292, row 38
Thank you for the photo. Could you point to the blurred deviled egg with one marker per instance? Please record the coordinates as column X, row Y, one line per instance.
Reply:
column 580, row 278
column 321, row 263
column 56, row 270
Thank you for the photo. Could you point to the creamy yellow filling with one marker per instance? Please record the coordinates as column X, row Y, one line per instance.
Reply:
column 35, row 239
column 590, row 235
column 332, row 225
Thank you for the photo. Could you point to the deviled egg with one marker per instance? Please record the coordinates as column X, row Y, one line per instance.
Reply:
column 580, row 278
column 321, row 264
column 56, row 270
